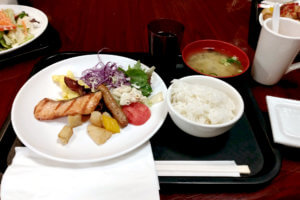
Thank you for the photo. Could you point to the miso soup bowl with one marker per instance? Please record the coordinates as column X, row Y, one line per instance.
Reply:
column 206, row 130
column 219, row 46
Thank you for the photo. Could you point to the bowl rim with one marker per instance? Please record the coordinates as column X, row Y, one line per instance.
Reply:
column 228, row 123
column 220, row 42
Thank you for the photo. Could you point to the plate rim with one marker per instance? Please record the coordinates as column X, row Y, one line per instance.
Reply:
column 65, row 160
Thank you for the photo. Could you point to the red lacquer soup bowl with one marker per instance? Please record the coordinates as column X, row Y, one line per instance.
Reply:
column 230, row 50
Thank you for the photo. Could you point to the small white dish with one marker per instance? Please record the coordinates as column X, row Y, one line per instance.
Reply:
column 285, row 117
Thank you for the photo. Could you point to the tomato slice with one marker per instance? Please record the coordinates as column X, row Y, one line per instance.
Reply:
column 137, row 113
column 5, row 23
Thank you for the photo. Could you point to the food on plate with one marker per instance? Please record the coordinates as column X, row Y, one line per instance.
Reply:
column 48, row 109
column 137, row 113
column 214, row 63
column 75, row 86
column 201, row 104
column 66, row 92
column 74, row 120
column 290, row 10
column 15, row 28
column 65, row 134
column 99, row 135
column 121, row 89
column 108, row 74
column 159, row 97
column 110, row 124
column 6, row 23
column 96, row 118
column 267, row 13
column 113, row 106
column 140, row 78
column 126, row 95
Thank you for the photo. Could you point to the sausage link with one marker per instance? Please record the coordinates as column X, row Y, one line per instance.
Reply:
column 113, row 106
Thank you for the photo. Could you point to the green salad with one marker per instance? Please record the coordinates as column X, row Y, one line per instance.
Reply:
column 15, row 29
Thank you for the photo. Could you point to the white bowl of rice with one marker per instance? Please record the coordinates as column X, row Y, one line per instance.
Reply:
column 204, row 106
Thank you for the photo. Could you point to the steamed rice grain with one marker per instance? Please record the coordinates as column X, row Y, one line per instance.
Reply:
column 202, row 104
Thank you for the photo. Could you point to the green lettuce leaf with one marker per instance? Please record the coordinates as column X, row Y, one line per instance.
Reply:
column 138, row 78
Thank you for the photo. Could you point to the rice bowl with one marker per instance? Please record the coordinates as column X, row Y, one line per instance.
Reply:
column 204, row 114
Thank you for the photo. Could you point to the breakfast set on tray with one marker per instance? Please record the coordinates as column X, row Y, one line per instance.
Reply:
column 113, row 117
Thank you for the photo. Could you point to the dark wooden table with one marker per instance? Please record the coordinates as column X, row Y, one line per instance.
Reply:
column 120, row 25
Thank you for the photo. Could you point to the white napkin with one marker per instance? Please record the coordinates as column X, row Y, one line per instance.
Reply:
column 31, row 176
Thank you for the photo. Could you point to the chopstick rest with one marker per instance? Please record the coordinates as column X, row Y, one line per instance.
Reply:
column 200, row 168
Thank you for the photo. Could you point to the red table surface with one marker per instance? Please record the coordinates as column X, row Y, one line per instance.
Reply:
column 121, row 25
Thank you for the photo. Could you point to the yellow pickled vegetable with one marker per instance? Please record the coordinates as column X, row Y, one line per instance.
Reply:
column 110, row 124
column 80, row 82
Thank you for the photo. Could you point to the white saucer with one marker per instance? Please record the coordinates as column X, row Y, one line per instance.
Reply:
column 285, row 120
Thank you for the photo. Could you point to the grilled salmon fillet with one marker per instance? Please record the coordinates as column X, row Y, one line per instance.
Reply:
column 48, row 109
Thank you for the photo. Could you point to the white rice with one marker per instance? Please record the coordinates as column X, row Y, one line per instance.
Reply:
column 201, row 104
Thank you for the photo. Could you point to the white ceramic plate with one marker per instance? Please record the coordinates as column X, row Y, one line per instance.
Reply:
column 41, row 136
column 285, row 117
column 32, row 12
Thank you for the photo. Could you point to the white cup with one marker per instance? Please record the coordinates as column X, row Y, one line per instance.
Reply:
column 276, row 52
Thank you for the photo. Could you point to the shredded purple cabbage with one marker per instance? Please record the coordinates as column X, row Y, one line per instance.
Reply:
column 107, row 74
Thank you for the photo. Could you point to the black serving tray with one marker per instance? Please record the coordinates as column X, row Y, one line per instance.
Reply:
column 246, row 143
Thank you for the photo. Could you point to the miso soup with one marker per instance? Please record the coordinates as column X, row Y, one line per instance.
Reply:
column 214, row 63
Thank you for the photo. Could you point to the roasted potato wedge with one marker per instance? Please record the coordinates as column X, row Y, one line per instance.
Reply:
column 96, row 118
column 99, row 135
column 65, row 134
column 74, row 120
